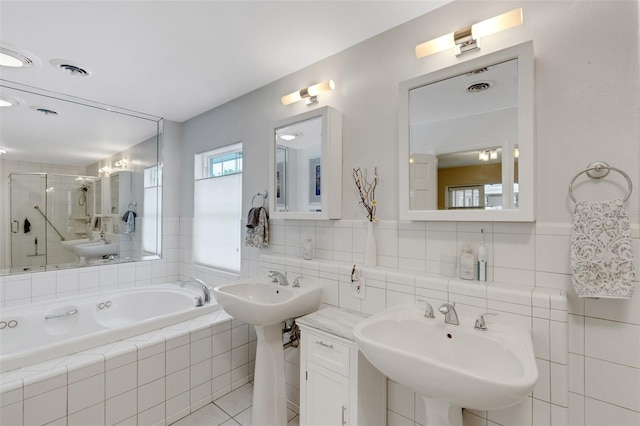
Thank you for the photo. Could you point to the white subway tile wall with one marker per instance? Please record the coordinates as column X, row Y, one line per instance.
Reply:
column 578, row 342
column 521, row 256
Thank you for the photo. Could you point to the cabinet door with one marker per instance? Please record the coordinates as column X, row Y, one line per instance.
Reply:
column 327, row 397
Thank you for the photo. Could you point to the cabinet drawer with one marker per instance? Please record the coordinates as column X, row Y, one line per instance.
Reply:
column 328, row 353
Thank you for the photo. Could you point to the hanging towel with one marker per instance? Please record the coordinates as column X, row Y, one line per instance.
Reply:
column 129, row 219
column 601, row 250
column 26, row 226
column 258, row 236
column 253, row 218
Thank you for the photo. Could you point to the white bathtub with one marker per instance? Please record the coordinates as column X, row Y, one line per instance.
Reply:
column 45, row 330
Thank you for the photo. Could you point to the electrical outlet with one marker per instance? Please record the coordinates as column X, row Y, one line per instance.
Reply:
column 359, row 288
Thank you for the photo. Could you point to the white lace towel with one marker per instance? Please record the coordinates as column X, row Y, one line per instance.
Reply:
column 601, row 250
column 258, row 236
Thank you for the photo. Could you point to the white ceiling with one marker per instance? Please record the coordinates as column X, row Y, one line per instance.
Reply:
column 177, row 59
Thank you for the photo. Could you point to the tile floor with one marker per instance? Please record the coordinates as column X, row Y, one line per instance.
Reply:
column 232, row 409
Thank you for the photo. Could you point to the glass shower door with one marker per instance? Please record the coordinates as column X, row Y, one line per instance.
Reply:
column 28, row 231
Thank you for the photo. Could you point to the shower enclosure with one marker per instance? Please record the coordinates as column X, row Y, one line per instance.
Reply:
column 46, row 209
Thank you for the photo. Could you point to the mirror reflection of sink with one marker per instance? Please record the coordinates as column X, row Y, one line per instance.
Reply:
column 266, row 306
column 70, row 244
column 96, row 249
column 451, row 366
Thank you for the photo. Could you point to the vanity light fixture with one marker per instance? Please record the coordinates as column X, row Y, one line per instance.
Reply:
column 9, row 58
column 467, row 39
column 310, row 94
column 104, row 169
column 121, row 163
column 488, row 154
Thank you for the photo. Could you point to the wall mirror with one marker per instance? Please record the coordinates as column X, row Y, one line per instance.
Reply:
column 466, row 143
column 82, row 164
column 306, row 166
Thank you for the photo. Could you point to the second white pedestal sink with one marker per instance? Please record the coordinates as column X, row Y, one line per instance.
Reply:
column 452, row 366
column 266, row 306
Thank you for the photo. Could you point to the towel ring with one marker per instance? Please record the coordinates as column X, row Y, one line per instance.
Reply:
column 598, row 170
column 132, row 206
column 263, row 194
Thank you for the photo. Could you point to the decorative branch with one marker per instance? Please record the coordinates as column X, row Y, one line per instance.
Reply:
column 367, row 191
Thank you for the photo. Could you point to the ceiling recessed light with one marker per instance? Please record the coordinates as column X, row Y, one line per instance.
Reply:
column 290, row 136
column 9, row 58
column 6, row 103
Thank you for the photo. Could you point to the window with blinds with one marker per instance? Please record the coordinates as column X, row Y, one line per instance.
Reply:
column 217, row 208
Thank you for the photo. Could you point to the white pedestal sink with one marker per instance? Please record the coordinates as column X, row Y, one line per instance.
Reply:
column 266, row 306
column 91, row 249
column 450, row 366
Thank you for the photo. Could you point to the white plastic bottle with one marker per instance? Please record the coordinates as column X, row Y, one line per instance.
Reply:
column 482, row 259
column 467, row 263
column 307, row 248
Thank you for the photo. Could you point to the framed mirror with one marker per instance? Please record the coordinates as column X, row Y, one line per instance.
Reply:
column 466, row 142
column 82, row 164
column 306, row 166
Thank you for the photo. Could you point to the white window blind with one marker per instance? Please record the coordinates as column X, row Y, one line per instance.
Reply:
column 152, row 211
column 217, row 211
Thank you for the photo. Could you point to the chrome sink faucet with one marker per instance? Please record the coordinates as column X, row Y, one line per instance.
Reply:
column 278, row 277
column 102, row 238
column 205, row 288
column 450, row 314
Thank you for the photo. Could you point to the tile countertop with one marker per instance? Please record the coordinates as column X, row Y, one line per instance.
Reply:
column 333, row 320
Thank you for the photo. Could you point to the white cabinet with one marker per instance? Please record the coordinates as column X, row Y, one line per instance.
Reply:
column 338, row 386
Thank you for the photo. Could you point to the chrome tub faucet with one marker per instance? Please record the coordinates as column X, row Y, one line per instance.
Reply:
column 206, row 290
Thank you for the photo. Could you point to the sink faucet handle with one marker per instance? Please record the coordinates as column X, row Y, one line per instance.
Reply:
column 296, row 282
column 428, row 313
column 480, row 321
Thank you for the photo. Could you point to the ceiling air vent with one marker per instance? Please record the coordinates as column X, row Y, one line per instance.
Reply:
column 46, row 111
column 479, row 86
column 71, row 68
column 478, row 71
column 74, row 70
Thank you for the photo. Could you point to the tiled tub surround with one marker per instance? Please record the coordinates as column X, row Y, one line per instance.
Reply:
column 544, row 311
column 154, row 378
column 41, row 331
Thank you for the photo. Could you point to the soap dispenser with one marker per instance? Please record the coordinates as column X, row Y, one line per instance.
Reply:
column 467, row 263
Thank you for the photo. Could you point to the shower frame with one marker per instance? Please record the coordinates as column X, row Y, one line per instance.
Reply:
column 20, row 262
